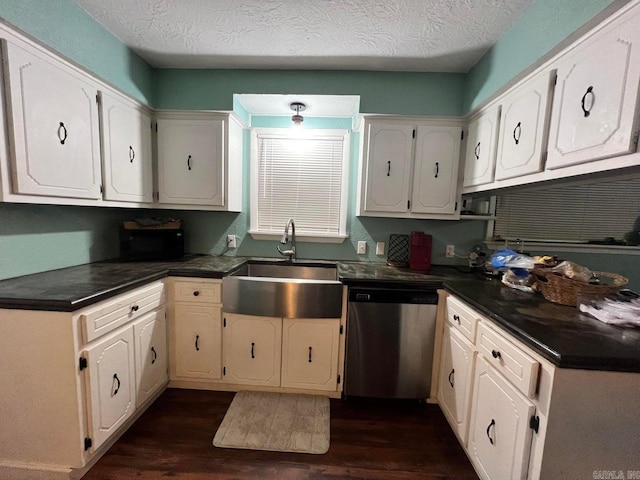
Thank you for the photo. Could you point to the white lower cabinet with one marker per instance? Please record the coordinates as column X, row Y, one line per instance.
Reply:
column 524, row 417
column 196, row 330
column 252, row 349
column 310, row 353
column 456, row 380
column 499, row 432
column 150, row 333
column 112, row 384
column 197, row 342
column 72, row 382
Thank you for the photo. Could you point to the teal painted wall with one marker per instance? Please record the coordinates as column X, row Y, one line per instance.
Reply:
column 34, row 238
column 206, row 232
column 380, row 92
column 65, row 27
column 543, row 25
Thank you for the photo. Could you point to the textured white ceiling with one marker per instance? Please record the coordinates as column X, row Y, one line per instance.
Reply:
column 401, row 35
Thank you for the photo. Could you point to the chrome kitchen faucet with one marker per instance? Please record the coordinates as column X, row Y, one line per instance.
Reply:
column 291, row 253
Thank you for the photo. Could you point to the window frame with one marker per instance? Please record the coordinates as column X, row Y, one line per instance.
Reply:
column 345, row 134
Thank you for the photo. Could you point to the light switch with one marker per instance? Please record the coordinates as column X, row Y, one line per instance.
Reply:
column 362, row 247
column 380, row 248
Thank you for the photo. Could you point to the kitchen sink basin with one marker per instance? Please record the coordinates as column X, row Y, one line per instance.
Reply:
column 316, row 271
column 284, row 289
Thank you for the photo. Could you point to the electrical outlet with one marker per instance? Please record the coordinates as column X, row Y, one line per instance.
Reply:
column 380, row 248
column 231, row 241
column 450, row 251
column 362, row 247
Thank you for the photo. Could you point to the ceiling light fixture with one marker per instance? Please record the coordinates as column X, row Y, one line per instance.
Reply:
column 297, row 119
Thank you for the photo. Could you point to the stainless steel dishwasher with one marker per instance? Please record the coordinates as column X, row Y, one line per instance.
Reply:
column 390, row 339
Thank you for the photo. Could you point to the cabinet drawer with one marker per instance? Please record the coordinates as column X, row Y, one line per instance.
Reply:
column 518, row 367
column 464, row 319
column 198, row 292
column 111, row 314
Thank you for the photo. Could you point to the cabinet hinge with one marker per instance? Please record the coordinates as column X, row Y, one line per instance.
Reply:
column 462, row 135
column 635, row 140
column 87, row 443
column 339, row 379
column 224, row 322
column 156, row 127
column 341, row 329
column 555, row 79
column 83, row 363
column 97, row 98
column 224, row 371
column 408, row 204
column 534, row 423
column 414, row 133
column 101, row 189
column 456, row 207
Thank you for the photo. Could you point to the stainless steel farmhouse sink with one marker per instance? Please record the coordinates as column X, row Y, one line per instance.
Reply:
column 284, row 289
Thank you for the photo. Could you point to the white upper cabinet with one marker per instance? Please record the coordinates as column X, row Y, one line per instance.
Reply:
column 199, row 160
column 594, row 109
column 480, row 156
column 435, row 178
column 523, row 128
column 53, row 126
column 410, row 168
column 388, row 153
column 126, row 150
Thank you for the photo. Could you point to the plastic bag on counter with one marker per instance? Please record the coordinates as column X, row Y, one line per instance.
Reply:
column 518, row 278
column 573, row 270
column 622, row 309
column 512, row 259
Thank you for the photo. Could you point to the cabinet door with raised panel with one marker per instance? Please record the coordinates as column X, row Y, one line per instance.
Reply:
column 499, row 435
column 151, row 356
column 480, row 156
column 596, row 100
column 252, row 349
column 435, row 176
column 111, row 384
column 197, row 332
column 523, row 128
column 126, row 147
column 53, row 122
column 456, row 380
column 388, row 163
column 310, row 353
column 190, row 161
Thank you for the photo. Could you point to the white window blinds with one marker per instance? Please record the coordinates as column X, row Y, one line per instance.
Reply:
column 570, row 213
column 301, row 178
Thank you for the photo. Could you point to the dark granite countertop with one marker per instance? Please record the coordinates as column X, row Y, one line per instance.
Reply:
column 561, row 334
column 69, row 289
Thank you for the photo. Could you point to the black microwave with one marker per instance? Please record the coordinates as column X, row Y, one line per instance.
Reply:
column 151, row 244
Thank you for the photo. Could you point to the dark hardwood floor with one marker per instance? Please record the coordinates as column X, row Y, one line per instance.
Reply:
column 370, row 439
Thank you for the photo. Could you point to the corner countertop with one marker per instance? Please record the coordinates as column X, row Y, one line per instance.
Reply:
column 563, row 335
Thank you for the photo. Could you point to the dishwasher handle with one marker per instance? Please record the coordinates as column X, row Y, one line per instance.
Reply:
column 363, row 297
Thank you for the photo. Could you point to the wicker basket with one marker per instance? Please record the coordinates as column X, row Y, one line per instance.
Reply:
column 566, row 291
